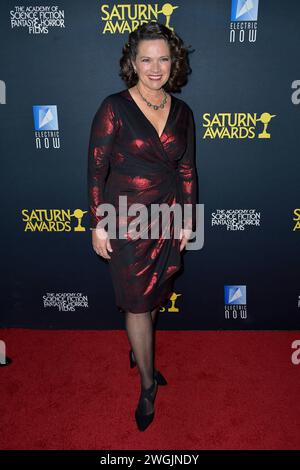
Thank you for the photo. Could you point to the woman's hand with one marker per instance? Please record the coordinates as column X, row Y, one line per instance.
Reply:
column 184, row 237
column 101, row 243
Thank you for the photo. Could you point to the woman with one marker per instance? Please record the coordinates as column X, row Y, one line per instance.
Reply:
column 142, row 141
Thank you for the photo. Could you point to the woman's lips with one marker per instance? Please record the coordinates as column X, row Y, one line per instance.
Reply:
column 155, row 77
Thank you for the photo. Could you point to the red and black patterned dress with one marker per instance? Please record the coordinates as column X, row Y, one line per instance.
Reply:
column 127, row 157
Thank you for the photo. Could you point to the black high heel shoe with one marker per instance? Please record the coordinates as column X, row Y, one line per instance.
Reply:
column 157, row 375
column 144, row 420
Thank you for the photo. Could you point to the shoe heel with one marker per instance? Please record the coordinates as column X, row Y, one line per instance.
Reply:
column 131, row 361
column 160, row 378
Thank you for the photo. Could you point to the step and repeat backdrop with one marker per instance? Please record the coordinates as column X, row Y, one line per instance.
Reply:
column 59, row 60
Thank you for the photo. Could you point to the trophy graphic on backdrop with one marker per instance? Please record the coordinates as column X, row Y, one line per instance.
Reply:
column 167, row 10
column 265, row 118
column 78, row 213
column 173, row 298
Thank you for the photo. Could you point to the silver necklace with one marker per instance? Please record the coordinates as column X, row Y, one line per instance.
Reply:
column 155, row 106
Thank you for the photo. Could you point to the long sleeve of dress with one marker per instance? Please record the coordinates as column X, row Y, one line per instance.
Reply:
column 102, row 134
column 187, row 176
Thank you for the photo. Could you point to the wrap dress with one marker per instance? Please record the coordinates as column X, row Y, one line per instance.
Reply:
column 127, row 157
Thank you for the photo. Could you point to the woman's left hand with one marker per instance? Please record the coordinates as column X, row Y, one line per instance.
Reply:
column 184, row 237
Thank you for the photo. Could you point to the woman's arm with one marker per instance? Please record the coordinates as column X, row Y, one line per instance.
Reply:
column 102, row 135
column 187, row 176
column 103, row 131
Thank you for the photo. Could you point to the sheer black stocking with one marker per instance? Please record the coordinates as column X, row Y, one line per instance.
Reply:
column 154, row 315
column 139, row 327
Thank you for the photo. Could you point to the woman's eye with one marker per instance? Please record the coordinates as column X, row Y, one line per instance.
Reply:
column 147, row 60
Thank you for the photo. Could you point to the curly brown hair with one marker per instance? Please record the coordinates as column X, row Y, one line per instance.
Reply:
column 180, row 67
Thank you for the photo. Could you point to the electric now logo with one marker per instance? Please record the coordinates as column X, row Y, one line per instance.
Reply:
column 295, row 357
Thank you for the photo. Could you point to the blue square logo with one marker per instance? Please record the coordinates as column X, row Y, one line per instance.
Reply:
column 235, row 295
column 244, row 10
column 45, row 118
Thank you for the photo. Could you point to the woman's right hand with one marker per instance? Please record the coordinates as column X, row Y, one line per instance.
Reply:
column 101, row 242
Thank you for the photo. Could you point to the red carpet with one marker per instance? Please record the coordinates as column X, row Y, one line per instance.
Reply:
column 75, row 390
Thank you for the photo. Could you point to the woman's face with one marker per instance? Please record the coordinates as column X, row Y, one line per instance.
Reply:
column 153, row 63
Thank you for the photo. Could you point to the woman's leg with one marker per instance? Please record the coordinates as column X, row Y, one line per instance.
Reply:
column 154, row 315
column 140, row 334
column 139, row 329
